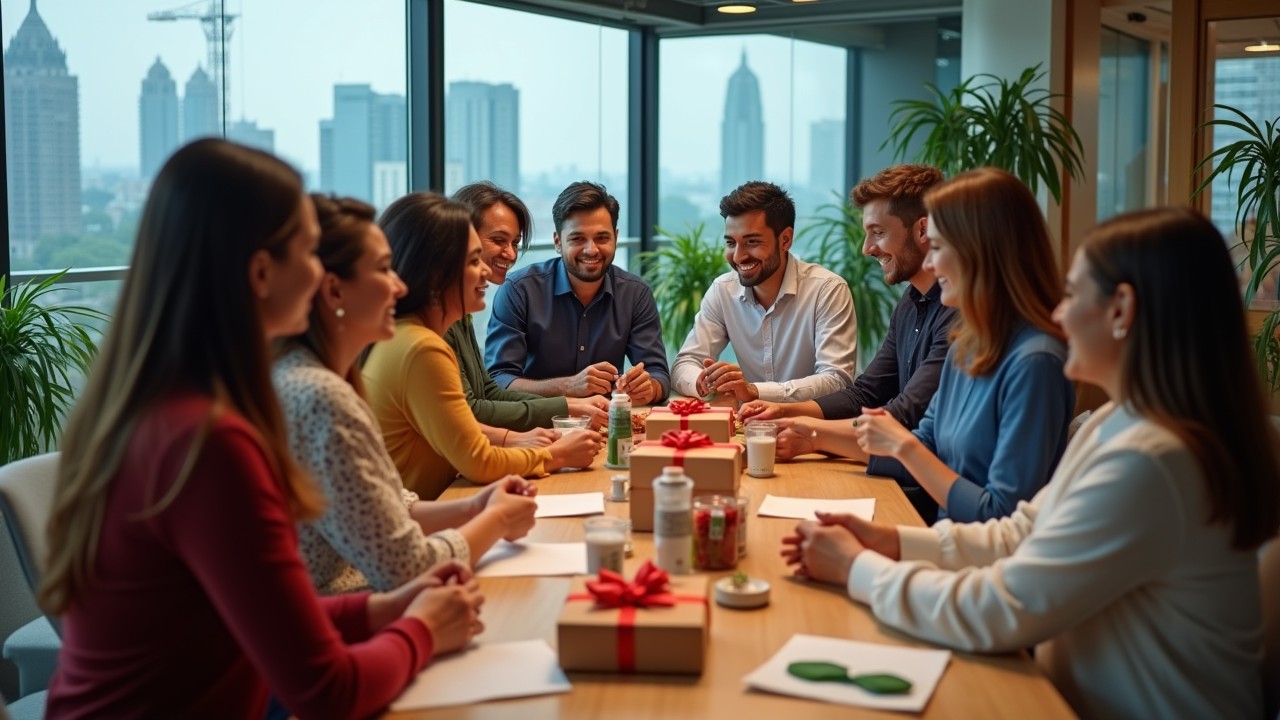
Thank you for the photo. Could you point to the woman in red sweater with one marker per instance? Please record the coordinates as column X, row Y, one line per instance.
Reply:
column 173, row 557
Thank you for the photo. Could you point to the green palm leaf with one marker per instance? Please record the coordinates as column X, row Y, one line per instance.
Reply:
column 43, row 346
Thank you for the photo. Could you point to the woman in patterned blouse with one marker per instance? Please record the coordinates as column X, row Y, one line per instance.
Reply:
column 373, row 533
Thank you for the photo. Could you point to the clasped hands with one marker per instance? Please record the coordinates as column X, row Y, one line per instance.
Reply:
column 825, row 550
column 723, row 377
column 603, row 378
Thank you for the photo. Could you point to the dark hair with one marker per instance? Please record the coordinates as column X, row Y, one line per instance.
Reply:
column 779, row 209
column 344, row 225
column 187, row 319
column 483, row 195
column 582, row 196
column 1187, row 364
column 428, row 235
column 1000, row 238
column 904, row 186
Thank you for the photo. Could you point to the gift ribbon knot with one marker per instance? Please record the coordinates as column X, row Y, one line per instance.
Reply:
column 686, row 439
column 648, row 589
column 687, row 406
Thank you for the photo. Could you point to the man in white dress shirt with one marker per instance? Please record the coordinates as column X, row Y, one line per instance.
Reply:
column 791, row 323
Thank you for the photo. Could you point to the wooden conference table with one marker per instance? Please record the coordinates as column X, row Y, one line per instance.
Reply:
column 526, row 608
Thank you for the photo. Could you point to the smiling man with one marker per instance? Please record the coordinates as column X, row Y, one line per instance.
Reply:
column 565, row 326
column 791, row 323
column 903, row 376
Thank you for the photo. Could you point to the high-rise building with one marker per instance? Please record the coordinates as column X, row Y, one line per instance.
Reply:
column 742, row 136
column 200, row 116
column 42, row 112
column 157, row 118
column 482, row 133
column 826, row 157
column 367, row 130
column 247, row 132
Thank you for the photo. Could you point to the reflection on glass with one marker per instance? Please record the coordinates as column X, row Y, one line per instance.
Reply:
column 1124, row 104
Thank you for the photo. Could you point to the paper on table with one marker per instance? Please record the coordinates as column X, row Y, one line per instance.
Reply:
column 508, row 559
column 923, row 668
column 569, row 504
column 803, row 508
column 527, row 668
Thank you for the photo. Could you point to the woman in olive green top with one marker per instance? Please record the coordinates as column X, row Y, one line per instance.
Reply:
column 503, row 223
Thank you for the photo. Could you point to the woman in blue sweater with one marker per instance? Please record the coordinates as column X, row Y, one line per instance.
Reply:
column 998, row 423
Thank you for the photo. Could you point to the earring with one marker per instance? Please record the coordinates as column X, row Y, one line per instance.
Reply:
column 1119, row 333
column 340, row 313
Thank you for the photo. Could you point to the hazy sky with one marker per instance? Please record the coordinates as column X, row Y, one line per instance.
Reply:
column 286, row 56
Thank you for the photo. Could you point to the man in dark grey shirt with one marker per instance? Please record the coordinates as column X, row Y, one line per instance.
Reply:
column 904, row 373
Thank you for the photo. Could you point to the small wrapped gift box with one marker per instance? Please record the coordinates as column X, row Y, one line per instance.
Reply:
column 691, row 414
column 715, row 468
column 651, row 625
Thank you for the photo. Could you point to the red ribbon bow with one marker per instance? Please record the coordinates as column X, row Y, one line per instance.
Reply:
column 687, row 406
column 686, row 439
column 648, row 589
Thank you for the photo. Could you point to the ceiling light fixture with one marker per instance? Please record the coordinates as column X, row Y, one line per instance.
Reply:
column 1263, row 46
column 803, row 1
column 736, row 9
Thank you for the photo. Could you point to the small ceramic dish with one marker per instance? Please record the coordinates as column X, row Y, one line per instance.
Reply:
column 753, row 593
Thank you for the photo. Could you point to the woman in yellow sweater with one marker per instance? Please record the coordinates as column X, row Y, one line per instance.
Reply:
column 413, row 382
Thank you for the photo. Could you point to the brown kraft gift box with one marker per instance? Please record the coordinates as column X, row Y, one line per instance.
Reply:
column 671, row 640
column 715, row 470
column 715, row 422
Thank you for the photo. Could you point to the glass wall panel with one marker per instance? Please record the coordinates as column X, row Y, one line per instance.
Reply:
column 1124, row 107
column 557, row 116
column 98, row 95
column 748, row 107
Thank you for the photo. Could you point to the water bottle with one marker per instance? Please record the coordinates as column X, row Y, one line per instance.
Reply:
column 619, row 457
column 673, row 521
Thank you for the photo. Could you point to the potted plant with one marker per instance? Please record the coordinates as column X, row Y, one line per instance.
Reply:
column 1256, row 159
column 987, row 121
column 839, row 235
column 680, row 271
column 43, row 347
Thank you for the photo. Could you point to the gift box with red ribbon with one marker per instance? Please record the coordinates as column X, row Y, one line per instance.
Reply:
column 691, row 414
column 715, row 468
column 653, row 624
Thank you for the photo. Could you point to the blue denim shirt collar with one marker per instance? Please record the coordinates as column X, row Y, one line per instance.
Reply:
column 562, row 286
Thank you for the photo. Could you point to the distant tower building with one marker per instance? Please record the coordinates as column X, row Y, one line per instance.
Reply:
column 326, row 156
column 200, row 108
column 482, row 133
column 826, row 158
column 368, row 130
column 42, row 112
column 158, row 118
column 742, row 137
column 247, row 132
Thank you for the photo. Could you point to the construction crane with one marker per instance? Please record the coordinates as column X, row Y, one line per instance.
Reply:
column 218, row 26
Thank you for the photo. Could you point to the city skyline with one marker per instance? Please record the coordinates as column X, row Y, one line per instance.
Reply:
column 742, row 133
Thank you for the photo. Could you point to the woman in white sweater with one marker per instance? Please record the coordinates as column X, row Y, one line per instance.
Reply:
column 373, row 533
column 1133, row 571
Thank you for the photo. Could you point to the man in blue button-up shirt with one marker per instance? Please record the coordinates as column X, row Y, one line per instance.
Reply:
column 564, row 326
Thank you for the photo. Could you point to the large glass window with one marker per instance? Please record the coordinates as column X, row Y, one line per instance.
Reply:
column 534, row 126
column 98, row 95
column 751, row 107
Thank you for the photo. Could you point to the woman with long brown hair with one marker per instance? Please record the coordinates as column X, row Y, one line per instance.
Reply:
column 413, row 381
column 1134, row 571
column 998, row 422
column 374, row 533
column 172, row 552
